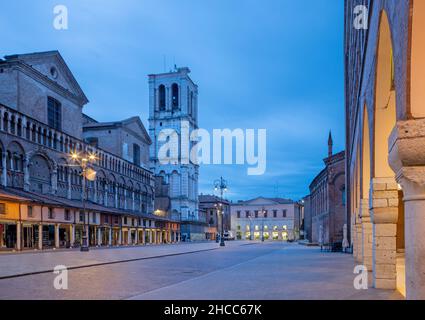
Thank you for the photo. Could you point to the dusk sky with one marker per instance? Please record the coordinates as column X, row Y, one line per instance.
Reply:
column 274, row 64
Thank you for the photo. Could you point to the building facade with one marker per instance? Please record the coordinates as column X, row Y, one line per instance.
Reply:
column 271, row 219
column 41, row 190
column 326, row 202
column 173, row 106
column 128, row 139
column 213, row 207
column 385, row 120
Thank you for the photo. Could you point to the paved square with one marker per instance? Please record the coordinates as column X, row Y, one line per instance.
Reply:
column 239, row 271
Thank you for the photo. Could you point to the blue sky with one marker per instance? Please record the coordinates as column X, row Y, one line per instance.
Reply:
column 273, row 64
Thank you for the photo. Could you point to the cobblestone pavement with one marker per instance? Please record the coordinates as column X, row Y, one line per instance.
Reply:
column 187, row 271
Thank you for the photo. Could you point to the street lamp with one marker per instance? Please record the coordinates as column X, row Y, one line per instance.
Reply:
column 263, row 212
column 83, row 160
column 221, row 185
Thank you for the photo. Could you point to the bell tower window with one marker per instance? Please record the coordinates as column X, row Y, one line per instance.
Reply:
column 161, row 97
column 175, row 95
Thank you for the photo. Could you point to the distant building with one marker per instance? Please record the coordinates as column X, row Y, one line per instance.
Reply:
column 327, row 200
column 210, row 204
column 268, row 218
column 307, row 226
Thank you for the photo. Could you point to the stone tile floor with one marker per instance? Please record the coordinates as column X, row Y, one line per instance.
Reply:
column 203, row 271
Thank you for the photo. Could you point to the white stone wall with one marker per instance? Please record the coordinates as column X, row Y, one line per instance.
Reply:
column 183, row 177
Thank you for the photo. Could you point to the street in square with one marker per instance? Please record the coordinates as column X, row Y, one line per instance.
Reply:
column 240, row 271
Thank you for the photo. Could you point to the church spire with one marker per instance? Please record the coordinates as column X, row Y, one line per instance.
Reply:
column 330, row 144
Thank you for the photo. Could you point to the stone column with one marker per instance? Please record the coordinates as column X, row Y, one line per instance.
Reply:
column 129, row 237
column 4, row 169
column 116, row 197
column 57, row 236
column 359, row 243
column 143, row 237
column 54, row 179
column 105, row 195
column 133, row 204
column 72, row 235
column 88, row 231
column 150, row 236
column 407, row 159
column 18, row 236
column 26, row 174
column 367, row 237
column 120, row 237
column 110, row 237
column 125, row 199
column 95, row 191
column 414, row 203
column 40, row 237
column 137, row 237
column 69, row 190
column 384, row 214
column 99, row 237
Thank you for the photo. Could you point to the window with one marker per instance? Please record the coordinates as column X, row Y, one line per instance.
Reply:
column 93, row 217
column 256, row 213
column 67, row 215
column 274, row 213
column 175, row 95
column 161, row 97
column 238, row 214
column 81, row 216
column 2, row 208
column 125, row 220
column 133, row 222
column 94, row 142
column 116, row 220
column 284, row 213
column 144, row 223
column 247, row 214
column 106, row 219
column 50, row 214
column 136, row 154
column 30, row 211
column 54, row 113
column 265, row 213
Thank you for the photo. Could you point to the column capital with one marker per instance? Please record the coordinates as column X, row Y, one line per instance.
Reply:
column 407, row 150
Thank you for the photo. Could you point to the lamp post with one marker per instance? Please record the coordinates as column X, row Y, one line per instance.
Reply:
column 221, row 185
column 263, row 212
column 83, row 160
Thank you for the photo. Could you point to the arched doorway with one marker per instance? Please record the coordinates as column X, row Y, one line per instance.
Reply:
column 417, row 67
column 40, row 174
column 385, row 202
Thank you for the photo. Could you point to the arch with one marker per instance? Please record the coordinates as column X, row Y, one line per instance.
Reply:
column 40, row 173
column 417, row 63
column 17, row 154
column 161, row 97
column 385, row 100
column 175, row 95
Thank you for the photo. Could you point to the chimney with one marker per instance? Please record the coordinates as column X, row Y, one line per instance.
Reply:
column 330, row 144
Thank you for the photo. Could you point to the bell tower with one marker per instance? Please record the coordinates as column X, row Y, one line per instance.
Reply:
column 173, row 104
